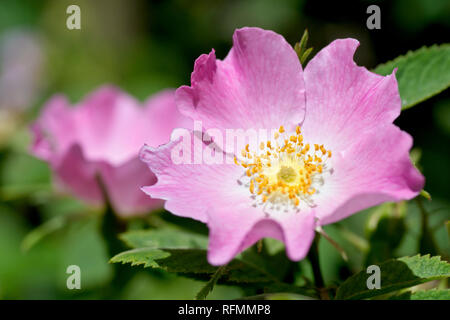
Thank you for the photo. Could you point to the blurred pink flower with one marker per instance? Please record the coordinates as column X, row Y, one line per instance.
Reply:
column 22, row 77
column 102, row 135
column 335, row 153
column 22, row 69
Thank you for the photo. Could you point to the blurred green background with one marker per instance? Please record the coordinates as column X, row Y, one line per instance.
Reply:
column 146, row 46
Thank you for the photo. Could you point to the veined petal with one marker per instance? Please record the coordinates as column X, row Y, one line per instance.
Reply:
column 191, row 188
column 345, row 100
column 351, row 110
column 258, row 85
column 374, row 170
column 233, row 230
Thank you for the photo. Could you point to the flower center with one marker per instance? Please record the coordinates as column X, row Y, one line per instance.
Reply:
column 286, row 175
column 285, row 171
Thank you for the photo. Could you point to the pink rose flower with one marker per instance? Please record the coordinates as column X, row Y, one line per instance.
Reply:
column 102, row 136
column 336, row 150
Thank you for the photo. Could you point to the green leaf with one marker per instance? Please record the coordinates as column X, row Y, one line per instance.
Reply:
column 192, row 263
column 305, row 56
column 142, row 256
column 188, row 254
column 164, row 238
column 433, row 294
column 301, row 48
column 396, row 274
column 278, row 296
column 421, row 74
column 182, row 252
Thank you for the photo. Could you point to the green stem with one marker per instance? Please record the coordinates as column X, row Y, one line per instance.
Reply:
column 111, row 227
column 313, row 257
column 427, row 243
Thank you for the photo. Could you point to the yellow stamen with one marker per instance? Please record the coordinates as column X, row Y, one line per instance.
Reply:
column 284, row 172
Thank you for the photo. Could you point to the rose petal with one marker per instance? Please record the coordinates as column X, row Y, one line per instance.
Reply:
column 258, row 85
column 374, row 170
column 191, row 189
column 345, row 100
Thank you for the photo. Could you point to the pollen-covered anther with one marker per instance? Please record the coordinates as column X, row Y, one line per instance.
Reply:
column 285, row 171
